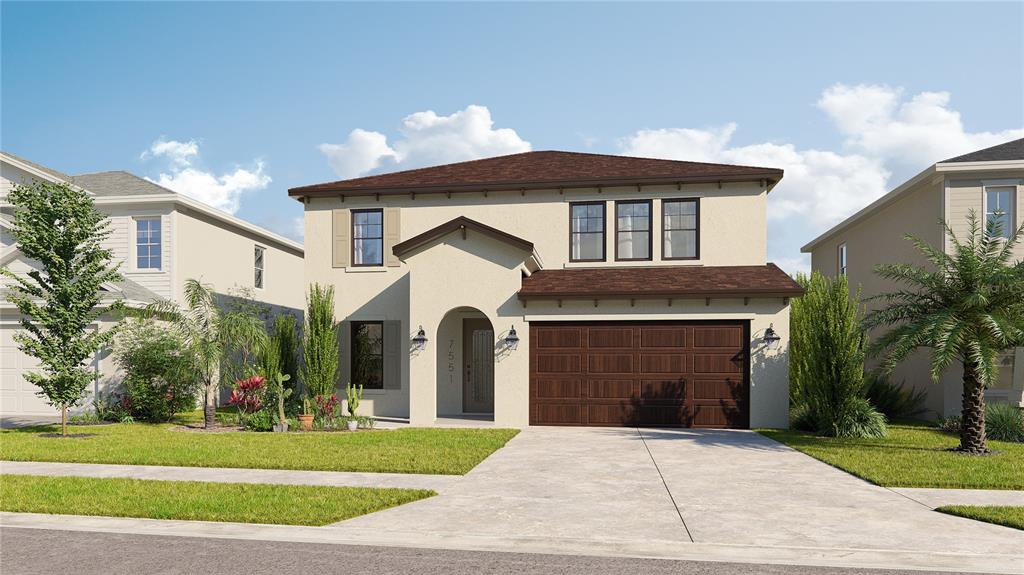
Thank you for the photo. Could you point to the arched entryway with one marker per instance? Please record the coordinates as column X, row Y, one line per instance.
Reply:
column 465, row 365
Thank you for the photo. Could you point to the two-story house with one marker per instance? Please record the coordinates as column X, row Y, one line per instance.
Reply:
column 557, row 288
column 990, row 183
column 160, row 239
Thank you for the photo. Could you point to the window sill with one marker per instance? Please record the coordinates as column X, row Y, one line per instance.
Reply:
column 147, row 271
column 372, row 392
column 633, row 264
column 365, row 269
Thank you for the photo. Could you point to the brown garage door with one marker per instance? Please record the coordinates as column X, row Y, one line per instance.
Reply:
column 684, row 374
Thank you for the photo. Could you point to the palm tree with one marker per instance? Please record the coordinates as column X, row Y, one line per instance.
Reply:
column 209, row 334
column 967, row 307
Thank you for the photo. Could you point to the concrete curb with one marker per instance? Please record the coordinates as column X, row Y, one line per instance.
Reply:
column 653, row 549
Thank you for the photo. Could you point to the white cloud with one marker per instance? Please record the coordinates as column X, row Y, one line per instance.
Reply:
column 222, row 191
column 876, row 121
column 882, row 132
column 426, row 139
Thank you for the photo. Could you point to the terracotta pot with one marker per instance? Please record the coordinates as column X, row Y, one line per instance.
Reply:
column 306, row 422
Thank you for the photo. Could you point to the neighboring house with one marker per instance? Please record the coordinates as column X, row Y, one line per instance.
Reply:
column 160, row 238
column 557, row 288
column 991, row 183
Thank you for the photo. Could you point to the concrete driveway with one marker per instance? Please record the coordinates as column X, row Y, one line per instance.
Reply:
column 730, row 494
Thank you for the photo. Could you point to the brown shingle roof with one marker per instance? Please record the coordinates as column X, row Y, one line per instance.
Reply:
column 676, row 281
column 459, row 223
column 547, row 169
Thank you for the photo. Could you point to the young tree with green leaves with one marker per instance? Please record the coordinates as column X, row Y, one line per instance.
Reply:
column 58, row 226
column 320, row 343
column 967, row 307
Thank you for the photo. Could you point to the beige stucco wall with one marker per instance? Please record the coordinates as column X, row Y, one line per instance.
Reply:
column 223, row 256
column 454, row 278
column 878, row 238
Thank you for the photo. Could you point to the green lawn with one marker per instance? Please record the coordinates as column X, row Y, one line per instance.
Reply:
column 1008, row 516
column 435, row 451
column 913, row 455
column 195, row 500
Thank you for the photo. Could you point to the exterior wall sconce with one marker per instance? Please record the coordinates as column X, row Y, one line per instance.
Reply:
column 771, row 339
column 512, row 339
column 420, row 341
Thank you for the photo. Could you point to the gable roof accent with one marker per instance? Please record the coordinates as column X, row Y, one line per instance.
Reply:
column 35, row 167
column 1009, row 151
column 119, row 183
column 540, row 170
column 460, row 223
column 660, row 282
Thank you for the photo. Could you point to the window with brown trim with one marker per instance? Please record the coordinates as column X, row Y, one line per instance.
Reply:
column 842, row 259
column 633, row 230
column 368, row 237
column 368, row 354
column 680, row 230
column 586, row 232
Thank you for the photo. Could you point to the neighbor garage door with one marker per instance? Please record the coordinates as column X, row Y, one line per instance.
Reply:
column 683, row 374
column 17, row 396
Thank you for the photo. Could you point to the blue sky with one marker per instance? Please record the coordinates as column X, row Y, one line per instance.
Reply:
column 234, row 102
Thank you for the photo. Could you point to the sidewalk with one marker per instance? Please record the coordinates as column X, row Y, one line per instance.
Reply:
column 934, row 498
column 438, row 483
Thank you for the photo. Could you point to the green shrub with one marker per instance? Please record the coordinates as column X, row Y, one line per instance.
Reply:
column 1004, row 422
column 892, row 399
column 827, row 386
column 262, row 420
column 160, row 376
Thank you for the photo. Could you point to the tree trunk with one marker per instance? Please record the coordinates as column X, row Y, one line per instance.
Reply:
column 210, row 407
column 64, row 420
column 972, row 414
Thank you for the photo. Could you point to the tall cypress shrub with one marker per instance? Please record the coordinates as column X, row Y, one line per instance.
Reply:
column 320, row 343
column 827, row 347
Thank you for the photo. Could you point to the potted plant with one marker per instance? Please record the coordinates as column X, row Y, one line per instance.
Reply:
column 306, row 419
column 353, row 395
column 282, row 393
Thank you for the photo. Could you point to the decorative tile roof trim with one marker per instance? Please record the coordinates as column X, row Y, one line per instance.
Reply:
column 459, row 223
column 675, row 282
column 526, row 171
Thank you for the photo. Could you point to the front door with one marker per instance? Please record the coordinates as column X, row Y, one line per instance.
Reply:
column 478, row 357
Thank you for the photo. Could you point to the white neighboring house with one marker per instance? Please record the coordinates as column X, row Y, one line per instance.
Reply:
column 160, row 238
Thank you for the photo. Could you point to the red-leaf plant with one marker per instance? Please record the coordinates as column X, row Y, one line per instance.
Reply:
column 248, row 394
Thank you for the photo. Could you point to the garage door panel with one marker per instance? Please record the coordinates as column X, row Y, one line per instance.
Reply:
column 557, row 388
column 557, row 414
column 565, row 363
column 611, row 389
column 727, row 337
column 656, row 373
column 610, row 337
column 663, row 363
column 610, row 363
column 610, row 414
column 561, row 337
column 672, row 390
column 729, row 389
column 723, row 363
column 655, row 337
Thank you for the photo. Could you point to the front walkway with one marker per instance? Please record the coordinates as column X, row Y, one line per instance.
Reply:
column 684, row 494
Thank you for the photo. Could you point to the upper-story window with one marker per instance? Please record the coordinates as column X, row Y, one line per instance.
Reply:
column 259, row 261
column 367, row 237
column 586, row 232
column 842, row 259
column 680, row 229
column 633, row 230
column 999, row 209
column 147, row 243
